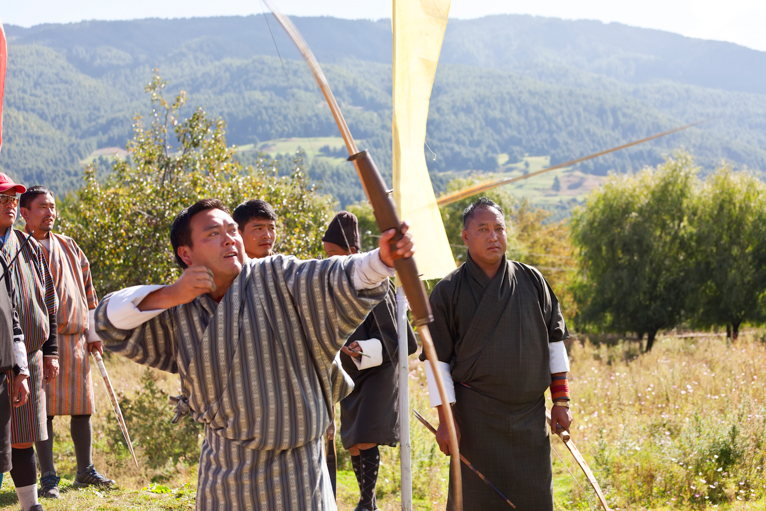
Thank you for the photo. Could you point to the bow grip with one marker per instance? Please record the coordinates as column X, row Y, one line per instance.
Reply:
column 385, row 215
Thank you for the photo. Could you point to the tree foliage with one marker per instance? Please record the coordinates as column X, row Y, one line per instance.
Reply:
column 662, row 247
column 729, row 258
column 123, row 223
column 634, row 239
column 72, row 89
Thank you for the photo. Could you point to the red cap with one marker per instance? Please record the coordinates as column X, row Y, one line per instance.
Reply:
column 6, row 183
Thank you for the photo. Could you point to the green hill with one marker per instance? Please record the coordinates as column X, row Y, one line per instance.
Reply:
column 508, row 87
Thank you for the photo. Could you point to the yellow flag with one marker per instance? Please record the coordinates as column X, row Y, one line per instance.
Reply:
column 418, row 27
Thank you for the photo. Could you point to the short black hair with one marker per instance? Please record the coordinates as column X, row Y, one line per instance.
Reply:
column 480, row 204
column 180, row 231
column 255, row 208
column 31, row 194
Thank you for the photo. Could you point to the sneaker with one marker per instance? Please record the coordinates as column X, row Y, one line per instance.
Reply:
column 90, row 477
column 49, row 486
column 36, row 507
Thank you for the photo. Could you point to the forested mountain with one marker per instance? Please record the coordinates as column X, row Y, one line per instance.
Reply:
column 506, row 85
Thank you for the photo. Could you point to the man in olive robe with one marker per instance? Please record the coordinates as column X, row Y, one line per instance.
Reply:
column 498, row 332
column 254, row 342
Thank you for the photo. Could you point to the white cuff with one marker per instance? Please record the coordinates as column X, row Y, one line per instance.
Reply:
column 370, row 271
column 433, row 390
column 20, row 352
column 122, row 309
column 90, row 332
column 373, row 348
column 559, row 358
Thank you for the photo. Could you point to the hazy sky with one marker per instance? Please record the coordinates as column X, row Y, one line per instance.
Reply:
column 738, row 21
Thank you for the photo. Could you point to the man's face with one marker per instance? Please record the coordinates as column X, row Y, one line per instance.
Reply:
column 332, row 249
column 8, row 203
column 259, row 236
column 41, row 213
column 485, row 236
column 216, row 244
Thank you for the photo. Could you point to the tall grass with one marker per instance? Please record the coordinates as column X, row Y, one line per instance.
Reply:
column 680, row 428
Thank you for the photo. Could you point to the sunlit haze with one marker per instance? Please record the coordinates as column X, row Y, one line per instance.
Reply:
column 737, row 21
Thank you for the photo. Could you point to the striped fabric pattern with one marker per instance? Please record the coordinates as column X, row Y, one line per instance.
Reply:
column 35, row 291
column 257, row 370
column 36, row 301
column 71, row 393
column 28, row 421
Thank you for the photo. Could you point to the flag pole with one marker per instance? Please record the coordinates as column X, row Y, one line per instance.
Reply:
column 405, row 448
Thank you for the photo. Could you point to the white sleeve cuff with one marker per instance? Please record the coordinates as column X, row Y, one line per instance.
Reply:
column 90, row 333
column 373, row 348
column 370, row 271
column 122, row 309
column 433, row 390
column 20, row 352
column 559, row 357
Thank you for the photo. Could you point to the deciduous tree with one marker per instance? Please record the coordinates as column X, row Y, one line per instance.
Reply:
column 123, row 223
column 729, row 256
column 634, row 240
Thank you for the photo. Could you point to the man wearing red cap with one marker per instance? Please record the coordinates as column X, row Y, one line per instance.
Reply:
column 36, row 305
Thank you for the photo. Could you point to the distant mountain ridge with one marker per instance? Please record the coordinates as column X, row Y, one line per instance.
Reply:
column 507, row 85
column 510, row 42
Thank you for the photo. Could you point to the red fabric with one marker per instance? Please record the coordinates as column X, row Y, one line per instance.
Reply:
column 560, row 389
column 3, row 63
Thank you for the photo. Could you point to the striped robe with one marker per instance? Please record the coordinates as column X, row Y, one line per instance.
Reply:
column 71, row 393
column 36, row 306
column 257, row 371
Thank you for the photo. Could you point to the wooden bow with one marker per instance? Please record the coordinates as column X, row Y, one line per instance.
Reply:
column 386, row 218
column 567, row 439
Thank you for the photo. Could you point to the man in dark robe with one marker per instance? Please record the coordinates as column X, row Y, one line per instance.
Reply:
column 370, row 414
column 499, row 334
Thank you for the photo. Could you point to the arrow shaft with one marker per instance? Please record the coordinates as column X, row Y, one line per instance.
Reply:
column 430, row 428
column 483, row 187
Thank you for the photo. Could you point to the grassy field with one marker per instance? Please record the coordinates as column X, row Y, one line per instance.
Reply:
column 311, row 145
column 682, row 428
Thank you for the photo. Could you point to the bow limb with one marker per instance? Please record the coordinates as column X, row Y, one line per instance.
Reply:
column 567, row 439
column 115, row 404
column 386, row 218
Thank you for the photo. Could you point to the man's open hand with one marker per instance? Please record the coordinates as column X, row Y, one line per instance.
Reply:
column 50, row 368
column 404, row 247
column 442, row 432
column 19, row 390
